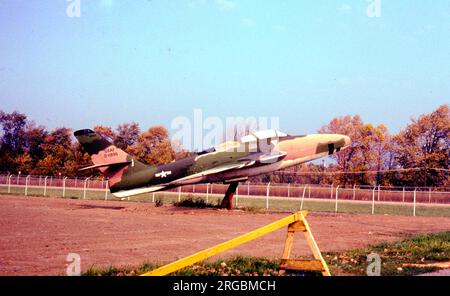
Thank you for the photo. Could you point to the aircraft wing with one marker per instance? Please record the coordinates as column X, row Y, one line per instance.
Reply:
column 265, row 158
column 132, row 192
column 215, row 170
column 251, row 160
column 257, row 159
column 104, row 165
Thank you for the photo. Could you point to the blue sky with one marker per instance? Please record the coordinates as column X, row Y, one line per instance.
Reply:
column 152, row 60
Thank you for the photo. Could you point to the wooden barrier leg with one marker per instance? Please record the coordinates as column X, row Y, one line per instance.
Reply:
column 287, row 248
column 318, row 264
column 313, row 246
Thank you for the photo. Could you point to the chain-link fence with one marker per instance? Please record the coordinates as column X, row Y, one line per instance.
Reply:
column 424, row 201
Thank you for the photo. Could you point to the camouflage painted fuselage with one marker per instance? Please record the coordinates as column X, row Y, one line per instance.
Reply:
column 231, row 161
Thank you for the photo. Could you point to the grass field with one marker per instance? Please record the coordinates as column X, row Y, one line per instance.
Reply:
column 419, row 249
column 423, row 248
column 251, row 203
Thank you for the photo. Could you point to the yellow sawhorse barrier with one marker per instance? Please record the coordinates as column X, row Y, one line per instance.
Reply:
column 295, row 222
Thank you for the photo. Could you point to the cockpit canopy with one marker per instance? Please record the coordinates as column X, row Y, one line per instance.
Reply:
column 262, row 135
column 253, row 140
column 262, row 141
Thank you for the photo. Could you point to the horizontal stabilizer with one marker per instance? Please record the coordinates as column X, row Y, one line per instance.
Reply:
column 103, row 165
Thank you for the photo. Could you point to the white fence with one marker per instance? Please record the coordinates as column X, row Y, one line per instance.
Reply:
column 371, row 200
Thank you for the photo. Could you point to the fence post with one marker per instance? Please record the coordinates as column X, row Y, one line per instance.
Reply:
column 207, row 193
column 354, row 191
column 9, row 183
column 337, row 194
column 39, row 181
column 153, row 197
column 414, row 206
column 429, row 195
column 403, row 194
column 373, row 200
column 289, row 189
column 106, row 190
column 331, row 192
column 85, row 187
column 26, row 185
column 303, row 198
column 267, row 195
column 45, row 185
column 64, row 186
column 179, row 194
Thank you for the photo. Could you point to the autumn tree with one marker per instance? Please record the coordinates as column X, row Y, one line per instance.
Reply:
column 350, row 126
column 425, row 144
column 78, row 160
column 34, row 137
column 153, row 146
column 106, row 132
column 58, row 151
column 374, row 154
column 371, row 151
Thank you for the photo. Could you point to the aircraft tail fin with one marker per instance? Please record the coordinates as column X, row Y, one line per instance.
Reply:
column 109, row 159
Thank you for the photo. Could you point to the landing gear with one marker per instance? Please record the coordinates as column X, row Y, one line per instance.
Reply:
column 227, row 202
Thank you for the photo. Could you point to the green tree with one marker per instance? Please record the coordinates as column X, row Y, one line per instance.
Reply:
column 127, row 135
column 12, row 140
column 34, row 138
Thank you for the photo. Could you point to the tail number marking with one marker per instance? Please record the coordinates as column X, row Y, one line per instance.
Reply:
column 110, row 152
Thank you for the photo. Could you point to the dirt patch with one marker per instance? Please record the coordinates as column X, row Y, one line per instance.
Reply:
column 37, row 234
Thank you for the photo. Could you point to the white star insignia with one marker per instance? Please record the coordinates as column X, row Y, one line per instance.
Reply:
column 163, row 174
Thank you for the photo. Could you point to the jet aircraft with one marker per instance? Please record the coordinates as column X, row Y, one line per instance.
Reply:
column 231, row 162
